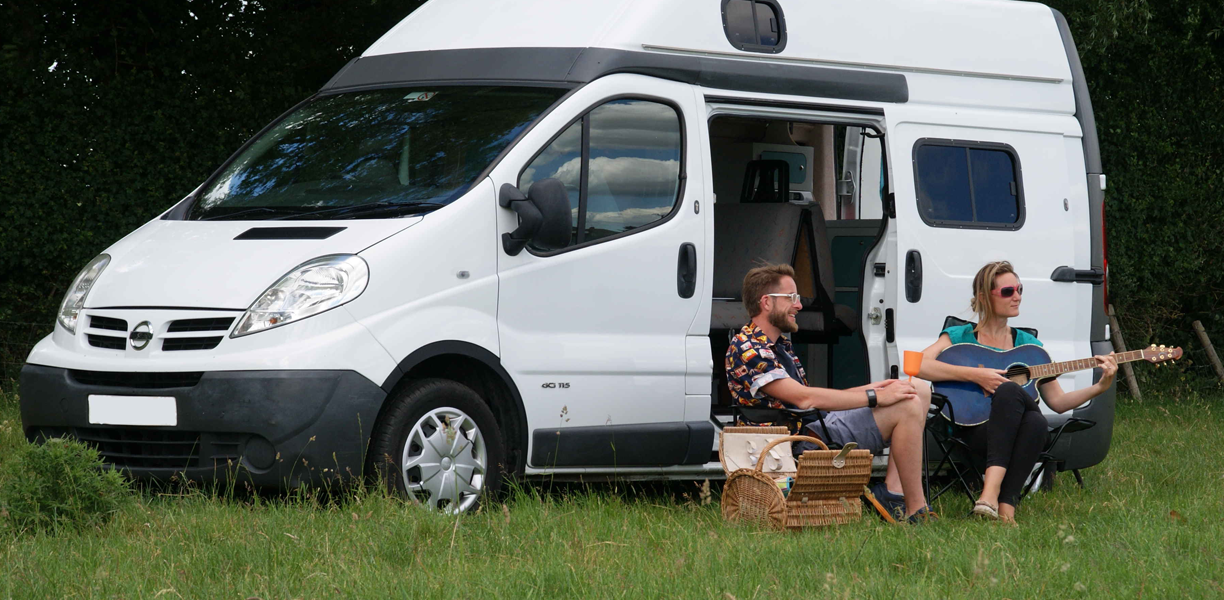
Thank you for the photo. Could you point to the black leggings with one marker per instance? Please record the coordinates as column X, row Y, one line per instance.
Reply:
column 1012, row 438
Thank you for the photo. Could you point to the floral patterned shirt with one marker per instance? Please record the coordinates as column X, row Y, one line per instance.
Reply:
column 752, row 362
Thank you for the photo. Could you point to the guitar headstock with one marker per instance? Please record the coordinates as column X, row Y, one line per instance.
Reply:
column 1158, row 354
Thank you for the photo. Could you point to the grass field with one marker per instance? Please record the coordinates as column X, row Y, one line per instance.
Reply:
column 1148, row 525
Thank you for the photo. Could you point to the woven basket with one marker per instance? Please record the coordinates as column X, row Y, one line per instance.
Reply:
column 826, row 489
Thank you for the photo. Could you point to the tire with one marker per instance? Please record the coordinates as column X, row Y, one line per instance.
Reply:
column 438, row 444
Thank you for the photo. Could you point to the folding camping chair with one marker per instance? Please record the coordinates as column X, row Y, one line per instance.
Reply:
column 963, row 465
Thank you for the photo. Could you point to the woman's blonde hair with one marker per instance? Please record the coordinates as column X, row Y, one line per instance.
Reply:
column 983, row 283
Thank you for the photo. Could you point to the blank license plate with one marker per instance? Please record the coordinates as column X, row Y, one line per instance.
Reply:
column 133, row 410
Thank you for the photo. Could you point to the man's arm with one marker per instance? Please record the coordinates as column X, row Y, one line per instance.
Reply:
column 801, row 396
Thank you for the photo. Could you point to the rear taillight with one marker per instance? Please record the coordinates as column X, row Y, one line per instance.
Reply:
column 1104, row 255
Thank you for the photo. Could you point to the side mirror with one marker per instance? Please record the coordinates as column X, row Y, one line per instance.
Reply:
column 544, row 216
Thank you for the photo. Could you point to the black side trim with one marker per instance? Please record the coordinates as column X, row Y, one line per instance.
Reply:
column 289, row 233
column 701, row 441
column 583, row 65
column 1071, row 275
column 638, row 445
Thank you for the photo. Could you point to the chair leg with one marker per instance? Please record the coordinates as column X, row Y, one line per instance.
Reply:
column 926, row 469
column 1078, row 478
column 1048, row 472
column 958, row 476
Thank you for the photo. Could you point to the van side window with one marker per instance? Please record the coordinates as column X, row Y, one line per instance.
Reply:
column 562, row 160
column 754, row 25
column 630, row 174
column 968, row 184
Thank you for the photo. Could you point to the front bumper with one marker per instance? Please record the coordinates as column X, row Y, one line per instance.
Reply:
column 269, row 428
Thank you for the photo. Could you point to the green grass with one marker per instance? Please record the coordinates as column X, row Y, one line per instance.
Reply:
column 1119, row 538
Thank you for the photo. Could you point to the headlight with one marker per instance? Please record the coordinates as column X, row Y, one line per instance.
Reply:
column 309, row 289
column 74, row 300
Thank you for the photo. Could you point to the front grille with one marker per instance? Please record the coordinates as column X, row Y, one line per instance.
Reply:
column 214, row 324
column 191, row 343
column 143, row 448
column 107, row 323
column 144, row 381
column 106, row 341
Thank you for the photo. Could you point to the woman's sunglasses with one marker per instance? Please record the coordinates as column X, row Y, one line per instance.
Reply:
column 1009, row 291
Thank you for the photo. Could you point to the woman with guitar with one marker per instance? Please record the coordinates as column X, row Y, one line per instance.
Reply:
column 1013, row 436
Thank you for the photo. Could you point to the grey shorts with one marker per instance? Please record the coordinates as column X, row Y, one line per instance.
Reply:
column 855, row 425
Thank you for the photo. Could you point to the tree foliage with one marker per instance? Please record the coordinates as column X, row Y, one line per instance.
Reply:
column 112, row 111
column 1155, row 72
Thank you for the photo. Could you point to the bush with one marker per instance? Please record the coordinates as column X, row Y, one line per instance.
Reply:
column 59, row 485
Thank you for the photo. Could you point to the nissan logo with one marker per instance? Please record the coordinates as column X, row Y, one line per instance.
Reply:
column 141, row 335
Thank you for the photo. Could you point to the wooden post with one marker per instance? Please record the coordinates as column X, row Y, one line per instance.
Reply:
column 1119, row 345
column 1211, row 353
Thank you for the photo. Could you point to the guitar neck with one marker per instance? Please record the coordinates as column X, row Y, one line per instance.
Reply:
column 1070, row 366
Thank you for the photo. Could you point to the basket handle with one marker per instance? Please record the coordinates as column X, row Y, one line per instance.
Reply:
column 789, row 438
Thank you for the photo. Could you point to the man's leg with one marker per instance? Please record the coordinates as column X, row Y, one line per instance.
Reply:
column 892, row 479
column 902, row 425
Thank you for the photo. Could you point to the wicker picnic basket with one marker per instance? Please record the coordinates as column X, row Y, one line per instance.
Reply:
column 826, row 489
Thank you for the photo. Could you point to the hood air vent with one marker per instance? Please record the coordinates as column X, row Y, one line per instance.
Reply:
column 289, row 233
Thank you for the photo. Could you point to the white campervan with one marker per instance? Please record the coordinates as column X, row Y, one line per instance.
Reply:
column 510, row 238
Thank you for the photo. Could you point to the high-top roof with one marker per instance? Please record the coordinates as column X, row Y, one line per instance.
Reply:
column 990, row 38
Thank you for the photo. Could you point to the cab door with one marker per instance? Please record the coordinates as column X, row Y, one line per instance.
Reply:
column 972, row 192
column 593, row 331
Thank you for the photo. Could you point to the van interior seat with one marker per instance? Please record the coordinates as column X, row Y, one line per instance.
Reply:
column 750, row 235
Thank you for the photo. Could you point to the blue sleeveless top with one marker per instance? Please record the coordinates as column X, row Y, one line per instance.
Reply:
column 963, row 334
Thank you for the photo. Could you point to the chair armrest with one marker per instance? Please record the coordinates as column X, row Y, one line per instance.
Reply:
column 1071, row 425
column 938, row 401
column 762, row 414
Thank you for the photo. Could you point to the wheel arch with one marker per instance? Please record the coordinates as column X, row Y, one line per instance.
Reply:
column 475, row 367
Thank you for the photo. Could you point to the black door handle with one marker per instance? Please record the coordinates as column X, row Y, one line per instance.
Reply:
column 913, row 276
column 686, row 270
column 1070, row 275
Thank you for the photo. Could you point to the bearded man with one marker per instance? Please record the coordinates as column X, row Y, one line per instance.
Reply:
column 762, row 370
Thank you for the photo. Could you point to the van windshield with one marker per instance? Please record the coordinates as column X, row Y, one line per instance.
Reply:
column 372, row 154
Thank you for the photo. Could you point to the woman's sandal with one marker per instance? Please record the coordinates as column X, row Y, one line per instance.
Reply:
column 985, row 509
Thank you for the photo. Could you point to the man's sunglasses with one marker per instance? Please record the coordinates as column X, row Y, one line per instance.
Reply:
column 1007, row 292
column 794, row 298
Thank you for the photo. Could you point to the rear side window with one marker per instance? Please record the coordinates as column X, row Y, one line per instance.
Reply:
column 968, row 184
column 620, row 163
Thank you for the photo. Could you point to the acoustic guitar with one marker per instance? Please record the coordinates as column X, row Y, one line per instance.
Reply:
column 1028, row 365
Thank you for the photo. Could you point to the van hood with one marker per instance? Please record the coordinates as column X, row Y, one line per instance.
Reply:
column 222, row 264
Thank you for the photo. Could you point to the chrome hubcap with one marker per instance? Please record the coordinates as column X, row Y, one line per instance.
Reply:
column 445, row 460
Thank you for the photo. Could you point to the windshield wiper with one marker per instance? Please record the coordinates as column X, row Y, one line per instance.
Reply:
column 246, row 211
column 343, row 212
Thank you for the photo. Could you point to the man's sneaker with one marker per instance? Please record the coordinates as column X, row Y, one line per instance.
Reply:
column 922, row 516
column 893, row 503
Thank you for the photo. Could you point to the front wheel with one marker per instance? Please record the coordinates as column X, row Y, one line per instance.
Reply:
column 438, row 444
